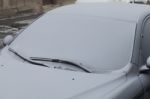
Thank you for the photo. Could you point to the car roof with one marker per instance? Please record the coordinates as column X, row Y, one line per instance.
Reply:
column 117, row 11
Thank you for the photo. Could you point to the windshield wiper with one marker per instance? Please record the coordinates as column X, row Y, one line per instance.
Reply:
column 60, row 61
column 25, row 59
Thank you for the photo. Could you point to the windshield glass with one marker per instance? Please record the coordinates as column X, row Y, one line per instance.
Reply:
column 99, row 43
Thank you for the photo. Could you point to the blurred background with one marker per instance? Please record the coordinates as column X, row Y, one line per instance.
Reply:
column 16, row 15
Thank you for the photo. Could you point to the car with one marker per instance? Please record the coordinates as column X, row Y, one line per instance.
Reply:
column 80, row 51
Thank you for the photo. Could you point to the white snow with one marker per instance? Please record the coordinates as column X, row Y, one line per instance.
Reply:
column 88, row 1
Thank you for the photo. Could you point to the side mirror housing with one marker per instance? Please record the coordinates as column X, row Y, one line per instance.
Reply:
column 8, row 39
column 148, row 62
column 146, row 68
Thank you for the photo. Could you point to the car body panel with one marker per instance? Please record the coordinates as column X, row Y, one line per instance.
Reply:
column 118, row 11
column 23, row 80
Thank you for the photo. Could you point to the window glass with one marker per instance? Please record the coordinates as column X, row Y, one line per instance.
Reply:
column 101, row 44
column 146, row 41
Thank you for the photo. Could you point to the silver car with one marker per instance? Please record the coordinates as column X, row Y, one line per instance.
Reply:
column 80, row 51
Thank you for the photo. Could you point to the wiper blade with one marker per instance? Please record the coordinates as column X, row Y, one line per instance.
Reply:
column 25, row 59
column 60, row 61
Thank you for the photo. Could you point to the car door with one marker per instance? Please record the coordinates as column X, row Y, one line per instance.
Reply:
column 145, row 53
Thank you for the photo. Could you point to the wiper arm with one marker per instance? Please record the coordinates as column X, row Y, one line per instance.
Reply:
column 60, row 61
column 25, row 59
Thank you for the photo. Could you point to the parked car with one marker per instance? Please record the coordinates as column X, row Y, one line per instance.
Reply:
column 80, row 51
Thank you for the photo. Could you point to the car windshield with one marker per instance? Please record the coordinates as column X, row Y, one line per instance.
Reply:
column 101, row 44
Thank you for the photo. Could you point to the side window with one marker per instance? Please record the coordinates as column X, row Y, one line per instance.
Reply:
column 146, row 41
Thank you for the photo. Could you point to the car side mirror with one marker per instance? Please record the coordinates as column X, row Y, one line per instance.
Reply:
column 148, row 62
column 8, row 39
column 146, row 68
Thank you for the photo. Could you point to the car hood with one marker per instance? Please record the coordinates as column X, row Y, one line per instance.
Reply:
column 20, row 80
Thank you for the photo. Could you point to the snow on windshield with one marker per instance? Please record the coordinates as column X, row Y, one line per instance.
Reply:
column 100, row 43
